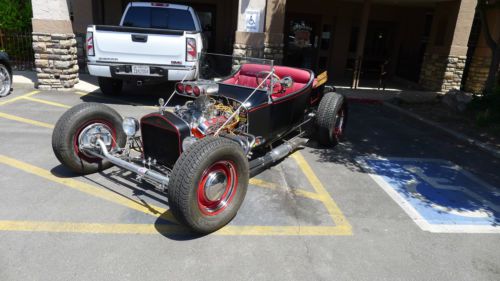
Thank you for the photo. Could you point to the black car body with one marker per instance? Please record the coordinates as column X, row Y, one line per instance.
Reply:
column 202, row 153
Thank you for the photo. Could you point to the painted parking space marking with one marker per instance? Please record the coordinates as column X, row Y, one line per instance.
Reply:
column 341, row 227
column 19, row 98
column 47, row 102
column 26, row 120
column 437, row 194
column 85, row 187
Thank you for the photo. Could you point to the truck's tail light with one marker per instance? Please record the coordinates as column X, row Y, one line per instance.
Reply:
column 89, row 43
column 190, row 49
column 179, row 87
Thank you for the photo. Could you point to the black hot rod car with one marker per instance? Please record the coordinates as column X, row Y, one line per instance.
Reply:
column 203, row 152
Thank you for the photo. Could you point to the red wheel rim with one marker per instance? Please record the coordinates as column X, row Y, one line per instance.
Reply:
column 76, row 136
column 338, row 125
column 217, row 187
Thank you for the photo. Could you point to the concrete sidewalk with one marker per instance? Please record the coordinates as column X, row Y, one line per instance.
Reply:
column 27, row 80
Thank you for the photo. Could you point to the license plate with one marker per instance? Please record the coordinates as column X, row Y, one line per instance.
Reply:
column 140, row 70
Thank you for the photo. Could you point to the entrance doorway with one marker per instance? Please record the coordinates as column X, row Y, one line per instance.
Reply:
column 302, row 40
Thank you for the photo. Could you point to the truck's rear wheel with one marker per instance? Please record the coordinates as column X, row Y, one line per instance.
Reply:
column 110, row 86
column 78, row 125
column 208, row 184
column 331, row 119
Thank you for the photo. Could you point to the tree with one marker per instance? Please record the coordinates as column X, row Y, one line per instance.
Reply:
column 15, row 15
column 483, row 6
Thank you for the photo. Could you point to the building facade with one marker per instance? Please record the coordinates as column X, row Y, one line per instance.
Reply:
column 437, row 44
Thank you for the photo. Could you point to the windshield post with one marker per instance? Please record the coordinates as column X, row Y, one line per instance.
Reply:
column 271, row 89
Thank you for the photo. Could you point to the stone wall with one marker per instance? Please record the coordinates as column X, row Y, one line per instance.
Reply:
column 478, row 73
column 242, row 50
column 268, row 51
column 55, row 60
column 442, row 73
column 274, row 52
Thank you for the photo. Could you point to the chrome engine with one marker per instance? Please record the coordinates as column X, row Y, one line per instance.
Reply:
column 205, row 115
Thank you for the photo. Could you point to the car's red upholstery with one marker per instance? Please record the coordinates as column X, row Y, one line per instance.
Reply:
column 247, row 73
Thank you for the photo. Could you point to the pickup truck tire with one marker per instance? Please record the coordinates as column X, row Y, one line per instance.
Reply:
column 208, row 184
column 331, row 119
column 67, row 132
column 110, row 86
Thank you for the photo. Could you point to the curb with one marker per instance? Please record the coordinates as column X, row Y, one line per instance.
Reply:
column 481, row 145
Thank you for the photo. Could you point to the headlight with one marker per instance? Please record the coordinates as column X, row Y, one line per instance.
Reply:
column 187, row 142
column 130, row 126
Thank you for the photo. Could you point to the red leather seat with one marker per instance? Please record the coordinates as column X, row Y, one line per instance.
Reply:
column 246, row 76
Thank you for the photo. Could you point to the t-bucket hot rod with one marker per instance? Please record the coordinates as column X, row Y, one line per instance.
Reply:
column 203, row 152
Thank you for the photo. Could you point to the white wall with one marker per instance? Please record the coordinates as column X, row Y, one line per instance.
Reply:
column 50, row 9
column 245, row 5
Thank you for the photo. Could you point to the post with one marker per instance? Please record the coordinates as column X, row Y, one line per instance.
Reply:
column 54, row 45
column 365, row 15
column 444, row 60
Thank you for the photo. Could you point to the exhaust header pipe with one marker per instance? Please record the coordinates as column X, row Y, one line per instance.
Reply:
column 141, row 171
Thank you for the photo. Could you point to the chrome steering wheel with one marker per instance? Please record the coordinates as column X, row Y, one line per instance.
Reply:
column 273, row 79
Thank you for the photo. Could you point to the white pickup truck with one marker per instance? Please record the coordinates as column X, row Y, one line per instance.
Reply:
column 154, row 41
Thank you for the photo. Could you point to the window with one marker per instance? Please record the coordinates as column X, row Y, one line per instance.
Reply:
column 162, row 18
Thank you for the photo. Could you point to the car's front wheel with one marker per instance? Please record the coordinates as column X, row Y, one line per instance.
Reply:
column 5, row 80
column 77, row 127
column 208, row 184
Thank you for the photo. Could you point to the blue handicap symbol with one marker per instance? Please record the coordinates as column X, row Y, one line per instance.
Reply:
column 440, row 191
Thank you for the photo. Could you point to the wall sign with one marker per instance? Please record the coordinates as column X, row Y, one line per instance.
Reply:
column 252, row 21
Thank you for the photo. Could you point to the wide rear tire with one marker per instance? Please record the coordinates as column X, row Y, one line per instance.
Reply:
column 68, row 129
column 110, row 86
column 331, row 120
column 5, row 80
column 208, row 184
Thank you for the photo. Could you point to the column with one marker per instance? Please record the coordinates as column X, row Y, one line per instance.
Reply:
column 249, row 37
column 361, row 43
column 275, row 26
column 54, row 45
column 444, row 60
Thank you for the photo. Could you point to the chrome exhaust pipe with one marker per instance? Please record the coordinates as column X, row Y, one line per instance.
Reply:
column 141, row 171
column 275, row 155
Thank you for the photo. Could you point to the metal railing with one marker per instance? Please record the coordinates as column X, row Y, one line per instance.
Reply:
column 19, row 46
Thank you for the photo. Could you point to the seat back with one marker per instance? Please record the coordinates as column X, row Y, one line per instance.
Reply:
column 247, row 74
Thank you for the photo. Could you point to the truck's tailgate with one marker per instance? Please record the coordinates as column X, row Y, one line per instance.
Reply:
column 162, row 47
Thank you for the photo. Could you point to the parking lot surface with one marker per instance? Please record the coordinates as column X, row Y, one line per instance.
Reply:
column 354, row 212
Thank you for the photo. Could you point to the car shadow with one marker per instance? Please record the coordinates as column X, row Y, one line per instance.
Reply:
column 147, row 95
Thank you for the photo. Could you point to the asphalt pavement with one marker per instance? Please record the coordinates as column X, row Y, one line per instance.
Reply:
column 318, row 215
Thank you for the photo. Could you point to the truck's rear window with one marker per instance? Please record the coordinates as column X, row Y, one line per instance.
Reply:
column 163, row 18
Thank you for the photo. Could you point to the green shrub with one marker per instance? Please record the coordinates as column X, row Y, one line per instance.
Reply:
column 486, row 109
column 15, row 15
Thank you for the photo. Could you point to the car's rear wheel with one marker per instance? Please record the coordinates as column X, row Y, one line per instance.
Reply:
column 77, row 127
column 5, row 80
column 331, row 119
column 110, row 86
column 208, row 184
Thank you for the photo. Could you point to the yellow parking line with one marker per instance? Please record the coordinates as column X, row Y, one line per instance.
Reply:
column 20, row 97
column 87, row 188
column 296, row 191
column 113, row 228
column 25, row 120
column 47, row 102
column 334, row 211
column 101, row 228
